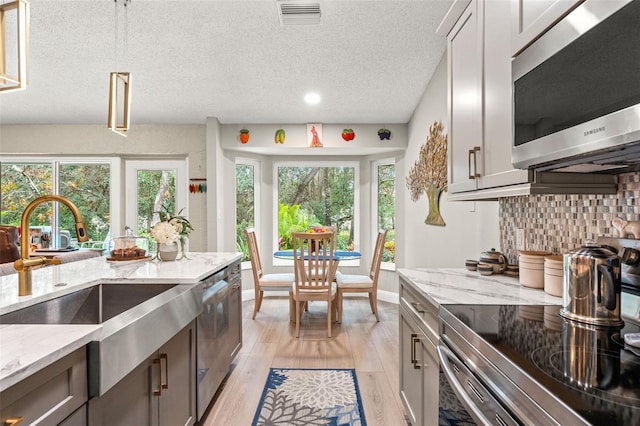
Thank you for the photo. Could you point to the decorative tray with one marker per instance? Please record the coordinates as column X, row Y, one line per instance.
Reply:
column 120, row 259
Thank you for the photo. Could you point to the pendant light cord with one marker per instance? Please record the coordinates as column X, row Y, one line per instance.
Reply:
column 125, row 47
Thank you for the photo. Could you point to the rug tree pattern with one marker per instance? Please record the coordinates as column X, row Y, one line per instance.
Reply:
column 429, row 173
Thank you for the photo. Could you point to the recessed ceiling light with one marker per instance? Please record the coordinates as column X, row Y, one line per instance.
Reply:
column 312, row 98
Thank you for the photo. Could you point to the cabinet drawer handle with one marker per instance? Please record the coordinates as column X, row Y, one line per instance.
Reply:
column 417, row 307
column 158, row 392
column 13, row 420
column 414, row 358
column 473, row 153
column 165, row 385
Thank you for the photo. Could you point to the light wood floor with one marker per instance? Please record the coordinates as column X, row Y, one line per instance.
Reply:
column 359, row 342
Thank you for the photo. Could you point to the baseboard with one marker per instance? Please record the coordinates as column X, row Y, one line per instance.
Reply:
column 384, row 295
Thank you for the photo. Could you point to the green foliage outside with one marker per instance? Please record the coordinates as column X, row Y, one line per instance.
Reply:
column 316, row 196
column 320, row 196
column 86, row 185
column 291, row 219
column 245, row 208
column 156, row 193
column 386, row 209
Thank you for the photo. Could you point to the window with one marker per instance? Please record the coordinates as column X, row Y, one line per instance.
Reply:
column 247, row 192
column 152, row 184
column 317, row 194
column 385, row 199
column 87, row 183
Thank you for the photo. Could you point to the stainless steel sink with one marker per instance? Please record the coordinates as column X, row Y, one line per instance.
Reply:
column 136, row 320
column 93, row 305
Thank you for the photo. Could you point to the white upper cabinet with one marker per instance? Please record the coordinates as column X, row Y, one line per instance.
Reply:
column 464, row 86
column 497, row 104
column 531, row 18
column 479, row 97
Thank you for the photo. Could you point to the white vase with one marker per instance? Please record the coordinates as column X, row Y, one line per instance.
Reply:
column 168, row 252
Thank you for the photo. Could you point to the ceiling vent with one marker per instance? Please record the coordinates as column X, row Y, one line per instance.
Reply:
column 299, row 13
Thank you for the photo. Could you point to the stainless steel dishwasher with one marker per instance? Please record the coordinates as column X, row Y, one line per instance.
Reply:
column 219, row 331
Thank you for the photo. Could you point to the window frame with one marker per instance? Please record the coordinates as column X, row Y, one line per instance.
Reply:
column 390, row 266
column 132, row 166
column 356, row 203
column 256, row 164
column 56, row 161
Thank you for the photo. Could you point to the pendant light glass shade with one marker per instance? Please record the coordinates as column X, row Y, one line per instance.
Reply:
column 119, row 102
column 14, row 45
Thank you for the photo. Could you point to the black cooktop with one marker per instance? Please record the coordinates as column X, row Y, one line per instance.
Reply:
column 588, row 368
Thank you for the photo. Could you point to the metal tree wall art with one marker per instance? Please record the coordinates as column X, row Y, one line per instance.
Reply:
column 429, row 173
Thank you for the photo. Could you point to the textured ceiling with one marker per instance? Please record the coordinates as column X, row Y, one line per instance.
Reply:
column 369, row 60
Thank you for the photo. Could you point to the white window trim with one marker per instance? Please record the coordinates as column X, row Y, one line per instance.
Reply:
column 356, row 204
column 131, row 188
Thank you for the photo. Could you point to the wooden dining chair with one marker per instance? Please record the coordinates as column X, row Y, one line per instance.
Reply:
column 265, row 282
column 311, row 283
column 363, row 283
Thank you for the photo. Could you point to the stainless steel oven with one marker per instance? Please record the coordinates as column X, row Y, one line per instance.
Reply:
column 465, row 399
column 219, row 332
column 576, row 95
column 539, row 368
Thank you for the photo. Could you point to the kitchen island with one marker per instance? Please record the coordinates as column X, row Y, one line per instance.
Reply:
column 26, row 349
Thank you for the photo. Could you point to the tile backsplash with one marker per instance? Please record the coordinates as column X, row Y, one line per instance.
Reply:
column 559, row 223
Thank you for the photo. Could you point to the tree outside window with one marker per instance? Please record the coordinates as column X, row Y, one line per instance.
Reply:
column 245, row 205
column 87, row 185
column 386, row 177
column 316, row 195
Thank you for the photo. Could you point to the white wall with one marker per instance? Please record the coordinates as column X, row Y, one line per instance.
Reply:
column 471, row 227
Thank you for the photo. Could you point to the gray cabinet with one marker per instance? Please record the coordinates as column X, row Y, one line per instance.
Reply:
column 49, row 396
column 78, row 418
column 419, row 366
column 160, row 391
column 531, row 18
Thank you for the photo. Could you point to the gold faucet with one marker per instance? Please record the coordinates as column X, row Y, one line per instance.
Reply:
column 26, row 262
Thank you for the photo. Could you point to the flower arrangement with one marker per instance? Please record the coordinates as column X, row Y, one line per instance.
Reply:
column 165, row 233
column 172, row 229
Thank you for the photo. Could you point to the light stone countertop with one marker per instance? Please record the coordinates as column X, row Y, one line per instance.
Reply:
column 26, row 349
column 460, row 286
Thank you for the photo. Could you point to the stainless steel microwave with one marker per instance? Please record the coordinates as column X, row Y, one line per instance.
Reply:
column 576, row 92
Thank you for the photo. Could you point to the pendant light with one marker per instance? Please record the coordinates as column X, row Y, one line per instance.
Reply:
column 120, row 84
column 14, row 56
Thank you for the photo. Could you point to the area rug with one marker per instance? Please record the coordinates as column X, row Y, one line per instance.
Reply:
column 310, row 396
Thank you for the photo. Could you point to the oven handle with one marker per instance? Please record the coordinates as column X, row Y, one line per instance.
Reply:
column 443, row 354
